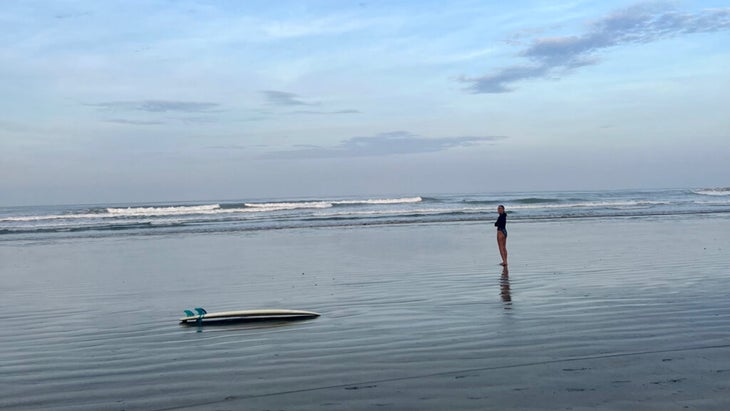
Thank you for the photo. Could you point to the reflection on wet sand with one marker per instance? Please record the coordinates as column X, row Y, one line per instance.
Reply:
column 504, row 289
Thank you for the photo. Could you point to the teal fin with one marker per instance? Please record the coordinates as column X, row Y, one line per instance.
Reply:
column 201, row 311
column 189, row 313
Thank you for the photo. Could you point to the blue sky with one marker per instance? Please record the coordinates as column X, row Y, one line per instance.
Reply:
column 106, row 101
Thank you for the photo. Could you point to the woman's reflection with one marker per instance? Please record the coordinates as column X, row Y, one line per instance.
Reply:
column 504, row 289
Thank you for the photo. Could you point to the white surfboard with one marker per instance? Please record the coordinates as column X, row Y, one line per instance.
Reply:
column 243, row 315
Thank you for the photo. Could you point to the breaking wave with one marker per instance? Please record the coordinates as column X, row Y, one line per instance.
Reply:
column 161, row 211
column 723, row 191
column 275, row 206
column 171, row 218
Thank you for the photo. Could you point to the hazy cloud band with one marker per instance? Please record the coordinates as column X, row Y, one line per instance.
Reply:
column 384, row 144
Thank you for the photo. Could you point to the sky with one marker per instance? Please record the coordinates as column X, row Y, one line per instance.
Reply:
column 142, row 101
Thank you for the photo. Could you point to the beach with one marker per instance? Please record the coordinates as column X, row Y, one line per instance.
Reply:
column 593, row 313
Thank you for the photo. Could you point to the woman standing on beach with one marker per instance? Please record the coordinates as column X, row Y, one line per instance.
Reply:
column 501, row 225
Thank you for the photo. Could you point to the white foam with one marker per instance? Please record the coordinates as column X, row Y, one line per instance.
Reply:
column 288, row 206
column 404, row 200
column 276, row 206
column 52, row 217
column 713, row 191
column 714, row 203
column 161, row 211
column 408, row 212
column 603, row 204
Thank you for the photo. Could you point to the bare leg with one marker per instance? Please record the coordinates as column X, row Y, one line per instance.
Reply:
column 502, row 243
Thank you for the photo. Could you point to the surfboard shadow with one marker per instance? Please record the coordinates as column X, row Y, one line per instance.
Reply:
column 253, row 322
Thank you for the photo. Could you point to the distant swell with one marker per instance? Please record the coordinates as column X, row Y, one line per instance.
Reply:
column 482, row 202
column 84, row 228
column 536, row 200
column 724, row 191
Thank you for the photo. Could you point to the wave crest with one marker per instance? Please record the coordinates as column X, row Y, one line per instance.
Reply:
column 276, row 206
column 721, row 191
column 403, row 200
column 162, row 211
column 288, row 206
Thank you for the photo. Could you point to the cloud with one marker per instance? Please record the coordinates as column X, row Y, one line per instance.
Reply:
column 286, row 99
column 556, row 56
column 230, row 147
column 133, row 122
column 325, row 112
column 160, row 106
column 499, row 81
column 72, row 15
column 282, row 98
column 384, row 144
column 13, row 127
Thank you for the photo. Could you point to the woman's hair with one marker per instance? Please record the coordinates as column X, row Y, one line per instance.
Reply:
column 500, row 206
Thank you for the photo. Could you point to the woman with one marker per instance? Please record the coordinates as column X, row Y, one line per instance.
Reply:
column 501, row 225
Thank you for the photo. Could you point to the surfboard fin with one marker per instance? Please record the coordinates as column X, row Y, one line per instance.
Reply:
column 201, row 311
column 189, row 313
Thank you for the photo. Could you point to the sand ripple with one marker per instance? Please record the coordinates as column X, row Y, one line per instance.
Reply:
column 416, row 317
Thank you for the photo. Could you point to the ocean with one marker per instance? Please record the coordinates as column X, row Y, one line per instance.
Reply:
column 105, row 220
column 612, row 300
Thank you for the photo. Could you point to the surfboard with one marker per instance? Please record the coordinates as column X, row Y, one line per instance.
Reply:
column 203, row 316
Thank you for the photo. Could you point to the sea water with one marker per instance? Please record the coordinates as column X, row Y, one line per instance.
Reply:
column 105, row 220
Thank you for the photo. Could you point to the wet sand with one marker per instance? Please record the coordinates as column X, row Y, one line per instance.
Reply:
column 608, row 314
